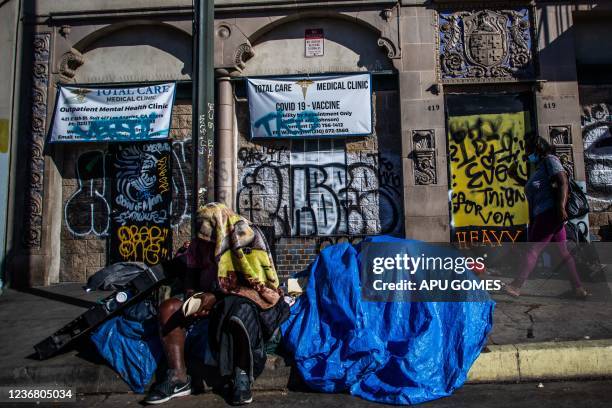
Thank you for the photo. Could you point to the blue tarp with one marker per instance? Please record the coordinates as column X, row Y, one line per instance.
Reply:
column 395, row 352
column 132, row 348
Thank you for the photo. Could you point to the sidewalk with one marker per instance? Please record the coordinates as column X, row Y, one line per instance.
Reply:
column 520, row 326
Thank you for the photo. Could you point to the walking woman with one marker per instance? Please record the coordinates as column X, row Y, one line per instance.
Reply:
column 229, row 268
column 547, row 192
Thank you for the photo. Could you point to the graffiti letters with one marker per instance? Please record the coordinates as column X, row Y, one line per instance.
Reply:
column 181, row 193
column 143, row 244
column 486, row 203
column 121, row 128
column 87, row 211
column 141, row 199
column 260, row 155
column 321, row 192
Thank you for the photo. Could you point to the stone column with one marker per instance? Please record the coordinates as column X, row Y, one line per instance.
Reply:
column 226, row 142
column 423, row 129
column 557, row 102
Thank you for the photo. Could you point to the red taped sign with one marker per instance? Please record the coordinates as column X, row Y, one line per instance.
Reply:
column 314, row 42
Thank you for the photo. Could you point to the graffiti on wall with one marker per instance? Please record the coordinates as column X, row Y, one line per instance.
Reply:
column 87, row 211
column 141, row 193
column 321, row 192
column 180, row 208
column 487, row 205
column 597, row 139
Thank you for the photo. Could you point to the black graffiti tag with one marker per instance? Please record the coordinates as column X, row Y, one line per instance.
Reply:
column 484, row 154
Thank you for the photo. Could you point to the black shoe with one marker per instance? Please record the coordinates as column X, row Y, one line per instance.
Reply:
column 241, row 392
column 168, row 389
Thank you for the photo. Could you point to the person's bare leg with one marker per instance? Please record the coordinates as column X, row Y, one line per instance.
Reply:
column 173, row 334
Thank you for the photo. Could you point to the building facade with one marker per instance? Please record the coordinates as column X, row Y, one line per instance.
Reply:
column 456, row 87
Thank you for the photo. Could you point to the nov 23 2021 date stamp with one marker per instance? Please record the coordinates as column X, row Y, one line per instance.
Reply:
column 15, row 394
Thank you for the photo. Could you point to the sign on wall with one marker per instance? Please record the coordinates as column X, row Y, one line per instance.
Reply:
column 141, row 193
column 103, row 114
column 314, row 42
column 322, row 106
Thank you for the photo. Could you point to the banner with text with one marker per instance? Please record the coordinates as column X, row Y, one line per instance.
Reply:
column 322, row 106
column 112, row 114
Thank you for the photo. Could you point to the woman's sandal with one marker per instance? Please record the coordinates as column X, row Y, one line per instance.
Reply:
column 512, row 291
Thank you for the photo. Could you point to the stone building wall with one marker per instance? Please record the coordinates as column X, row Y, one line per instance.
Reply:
column 413, row 40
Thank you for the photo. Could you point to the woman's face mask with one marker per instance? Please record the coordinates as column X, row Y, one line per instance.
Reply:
column 533, row 158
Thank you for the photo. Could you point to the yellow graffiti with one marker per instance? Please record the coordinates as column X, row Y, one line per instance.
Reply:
column 144, row 244
column 162, row 168
column 4, row 135
column 481, row 150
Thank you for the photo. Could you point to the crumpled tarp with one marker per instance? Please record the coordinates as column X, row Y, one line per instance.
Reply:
column 132, row 348
column 395, row 352
column 131, row 345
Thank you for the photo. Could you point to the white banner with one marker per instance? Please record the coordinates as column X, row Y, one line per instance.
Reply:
column 322, row 106
column 112, row 114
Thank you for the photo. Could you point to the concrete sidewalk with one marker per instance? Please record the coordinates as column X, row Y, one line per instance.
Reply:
column 534, row 338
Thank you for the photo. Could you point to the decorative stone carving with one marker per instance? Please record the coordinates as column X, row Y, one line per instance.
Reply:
column 424, row 157
column 485, row 46
column 389, row 46
column 69, row 63
column 224, row 32
column 560, row 135
column 386, row 14
column 33, row 208
column 566, row 156
column 243, row 53
column 65, row 30
column 561, row 138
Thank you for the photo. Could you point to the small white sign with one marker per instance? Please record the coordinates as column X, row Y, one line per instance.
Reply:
column 314, row 42
column 105, row 114
column 321, row 106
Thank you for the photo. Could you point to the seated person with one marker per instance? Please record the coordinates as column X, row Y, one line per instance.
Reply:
column 230, row 267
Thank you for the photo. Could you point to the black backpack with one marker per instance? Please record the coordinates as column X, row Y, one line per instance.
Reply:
column 577, row 203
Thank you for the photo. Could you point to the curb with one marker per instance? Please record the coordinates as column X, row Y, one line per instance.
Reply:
column 544, row 361
column 502, row 363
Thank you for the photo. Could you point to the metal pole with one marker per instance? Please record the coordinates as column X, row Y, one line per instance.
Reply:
column 203, row 104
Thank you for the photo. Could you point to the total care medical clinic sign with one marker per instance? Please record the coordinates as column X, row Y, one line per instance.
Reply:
column 322, row 106
column 103, row 114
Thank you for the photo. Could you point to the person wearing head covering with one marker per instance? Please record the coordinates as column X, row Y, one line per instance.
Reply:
column 229, row 278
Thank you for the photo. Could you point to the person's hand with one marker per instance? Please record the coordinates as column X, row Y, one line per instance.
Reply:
column 208, row 301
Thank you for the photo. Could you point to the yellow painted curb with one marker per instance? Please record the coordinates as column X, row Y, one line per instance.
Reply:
column 540, row 361
column 500, row 364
